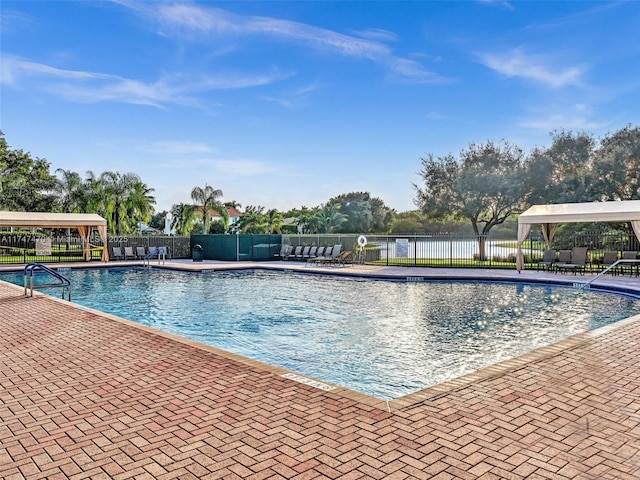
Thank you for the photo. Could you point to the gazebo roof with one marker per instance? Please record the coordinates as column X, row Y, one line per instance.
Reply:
column 50, row 220
column 621, row 211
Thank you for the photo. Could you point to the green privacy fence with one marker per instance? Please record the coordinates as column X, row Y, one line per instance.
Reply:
column 257, row 248
column 232, row 248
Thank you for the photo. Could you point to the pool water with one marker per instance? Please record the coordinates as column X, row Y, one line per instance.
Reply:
column 382, row 338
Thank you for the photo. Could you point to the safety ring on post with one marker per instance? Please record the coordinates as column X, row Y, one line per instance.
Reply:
column 362, row 241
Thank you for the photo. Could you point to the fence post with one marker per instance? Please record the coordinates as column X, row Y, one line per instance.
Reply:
column 387, row 251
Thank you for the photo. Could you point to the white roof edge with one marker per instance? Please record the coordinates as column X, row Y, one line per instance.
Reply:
column 52, row 220
column 620, row 211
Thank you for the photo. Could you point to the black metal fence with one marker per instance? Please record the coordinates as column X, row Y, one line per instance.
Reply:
column 437, row 250
column 176, row 246
column 22, row 248
column 456, row 250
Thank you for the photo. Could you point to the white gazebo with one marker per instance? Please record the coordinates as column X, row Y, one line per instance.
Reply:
column 549, row 216
column 83, row 222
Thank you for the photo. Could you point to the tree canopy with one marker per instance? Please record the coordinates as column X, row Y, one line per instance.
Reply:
column 487, row 183
column 25, row 182
column 484, row 185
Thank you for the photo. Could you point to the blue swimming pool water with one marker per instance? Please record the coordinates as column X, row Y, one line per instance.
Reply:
column 381, row 338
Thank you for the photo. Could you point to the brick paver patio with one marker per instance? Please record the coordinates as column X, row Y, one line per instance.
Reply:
column 84, row 395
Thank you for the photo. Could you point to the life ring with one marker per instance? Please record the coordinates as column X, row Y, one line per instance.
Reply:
column 362, row 241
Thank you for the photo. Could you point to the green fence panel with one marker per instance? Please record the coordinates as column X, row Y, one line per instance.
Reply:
column 231, row 248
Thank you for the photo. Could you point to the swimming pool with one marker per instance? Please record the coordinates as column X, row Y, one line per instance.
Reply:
column 385, row 339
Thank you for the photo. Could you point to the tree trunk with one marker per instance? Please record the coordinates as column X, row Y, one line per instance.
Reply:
column 482, row 247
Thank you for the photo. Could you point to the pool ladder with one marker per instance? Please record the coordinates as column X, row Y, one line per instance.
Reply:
column 30, row 269
column 161, row 252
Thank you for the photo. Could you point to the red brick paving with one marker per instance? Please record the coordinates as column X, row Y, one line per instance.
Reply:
column 85, row 396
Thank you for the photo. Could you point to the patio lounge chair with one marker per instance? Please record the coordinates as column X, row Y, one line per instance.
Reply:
column 288, row 252
column 296, row 252
column 342, row 259
column 141, row 252
column 304, row 254
column 328, row 257
column 311, row 254
column 128, row 253
column 283, row 251
column 564, row 256
column 632, row 268
column 548, row 259
column 577, row 262
column 117, row 253
column 609, row 258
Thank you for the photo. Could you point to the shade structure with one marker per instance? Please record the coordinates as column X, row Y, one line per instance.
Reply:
column 83, row 222
column 549, row 216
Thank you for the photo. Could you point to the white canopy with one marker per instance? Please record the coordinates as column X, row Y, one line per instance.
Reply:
column 550, row 215
column 84, row 222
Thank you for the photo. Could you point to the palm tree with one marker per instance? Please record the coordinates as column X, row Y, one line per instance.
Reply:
column 252, row 220
column 93, row 194
column 116, row 189
column 309, row 221
column 68, row 191
column 183, row 216
column 274, row 221
column 139, row 205
column 207, row 199
column 331, row 217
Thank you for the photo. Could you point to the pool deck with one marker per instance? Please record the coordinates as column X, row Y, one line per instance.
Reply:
column 87, row 395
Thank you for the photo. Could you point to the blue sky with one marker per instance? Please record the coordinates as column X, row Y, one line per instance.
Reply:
column 285, row 104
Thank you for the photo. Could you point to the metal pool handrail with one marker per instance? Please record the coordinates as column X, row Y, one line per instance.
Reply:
column 609, row 268
column 29, row 271
column 160, row 251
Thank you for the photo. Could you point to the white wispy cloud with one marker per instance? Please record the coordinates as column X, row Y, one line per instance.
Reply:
column 293, row 98
column 538, row 68
column 236, row 167
column 497, row 3
column 13, row 22
column 94, row 87
column 188, row 19
column 177, row 147
column 377, row 34
column 572, row 117
column 243, row 167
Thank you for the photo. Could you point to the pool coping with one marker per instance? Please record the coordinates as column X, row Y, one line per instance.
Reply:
column 615, row 285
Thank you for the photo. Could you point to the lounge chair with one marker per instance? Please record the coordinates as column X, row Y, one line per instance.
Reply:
column 283, row 251
column 342, row 259
column 321, row 257
column 296, row 252
column 304, row 254
column 632, row 268
column 577, row 262
column 328, row 257
column 311, row 254
column 609, row 258
column 288, row 251
column 564, row 257
column 128, row 252
column 117, row 253
column 141, row 252
column 548, row 259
